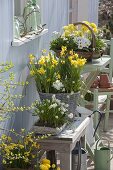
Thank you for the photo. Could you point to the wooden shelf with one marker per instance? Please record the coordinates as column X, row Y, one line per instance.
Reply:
column 31, row 36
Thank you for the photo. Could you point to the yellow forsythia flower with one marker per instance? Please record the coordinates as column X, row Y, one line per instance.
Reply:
column 31, row 58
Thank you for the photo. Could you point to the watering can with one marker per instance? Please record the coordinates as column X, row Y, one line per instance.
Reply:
column 102, row 156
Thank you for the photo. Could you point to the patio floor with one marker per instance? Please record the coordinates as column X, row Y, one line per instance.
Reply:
column 105, row 135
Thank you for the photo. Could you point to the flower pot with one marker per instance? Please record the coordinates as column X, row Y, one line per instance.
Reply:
column 47, row 130
column 104, row 81
column 68, row 98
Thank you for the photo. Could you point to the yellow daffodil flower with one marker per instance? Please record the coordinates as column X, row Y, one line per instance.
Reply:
column 41, row 71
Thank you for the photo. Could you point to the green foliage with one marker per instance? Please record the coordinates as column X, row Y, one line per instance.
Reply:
column 68, row 42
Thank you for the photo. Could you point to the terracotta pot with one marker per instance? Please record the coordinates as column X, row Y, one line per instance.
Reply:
column 104, row 81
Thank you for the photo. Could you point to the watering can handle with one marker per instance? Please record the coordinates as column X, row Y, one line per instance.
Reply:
column 98, row 142
column 100, row 117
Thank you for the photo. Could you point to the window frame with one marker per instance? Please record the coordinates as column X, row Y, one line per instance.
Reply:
column 28, row 37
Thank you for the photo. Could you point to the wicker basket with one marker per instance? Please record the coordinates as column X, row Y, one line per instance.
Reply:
column 89, row 55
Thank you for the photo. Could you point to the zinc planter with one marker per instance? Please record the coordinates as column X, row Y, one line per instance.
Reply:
column 68, row 98
column 47, row 130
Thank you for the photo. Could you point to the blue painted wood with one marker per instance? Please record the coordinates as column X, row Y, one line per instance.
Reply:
column 55, row 16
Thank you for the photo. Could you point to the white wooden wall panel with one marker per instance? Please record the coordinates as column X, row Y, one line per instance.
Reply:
column 93, row 11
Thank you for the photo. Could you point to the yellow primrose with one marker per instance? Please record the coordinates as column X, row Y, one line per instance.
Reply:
column 58, row 168
column 66, row 33
column 46, row 161
column 71, row 27
column 65, row 28
column 84, row 28
column 43, row 167
column 41, row 71
column 95, row 30
column 93, row 25
column 86, row 22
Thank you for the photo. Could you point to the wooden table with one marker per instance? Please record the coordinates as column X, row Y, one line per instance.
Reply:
column 65, row 142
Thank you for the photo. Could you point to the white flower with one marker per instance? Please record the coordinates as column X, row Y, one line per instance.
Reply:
column 42, row 111
column 63, row 109
column 62, row 113
column 53, row 106
column 72, row 92
column 66, row 105
column 53, row 97
column 63, row 90
column 71, row 115
column 58, row 85
column 83, row 42
column 56, row 117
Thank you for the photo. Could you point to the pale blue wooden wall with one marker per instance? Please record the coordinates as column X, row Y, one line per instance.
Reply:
column 55, row 15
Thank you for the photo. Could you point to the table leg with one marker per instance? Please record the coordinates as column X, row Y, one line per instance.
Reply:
column 66, row 161
column 51, row 156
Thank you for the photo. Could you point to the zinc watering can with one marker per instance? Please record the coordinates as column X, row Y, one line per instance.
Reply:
column 102, row 156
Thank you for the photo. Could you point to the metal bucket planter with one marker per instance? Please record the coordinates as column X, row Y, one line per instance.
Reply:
column 102, row 157
column 47, row 130
column 68, row 98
